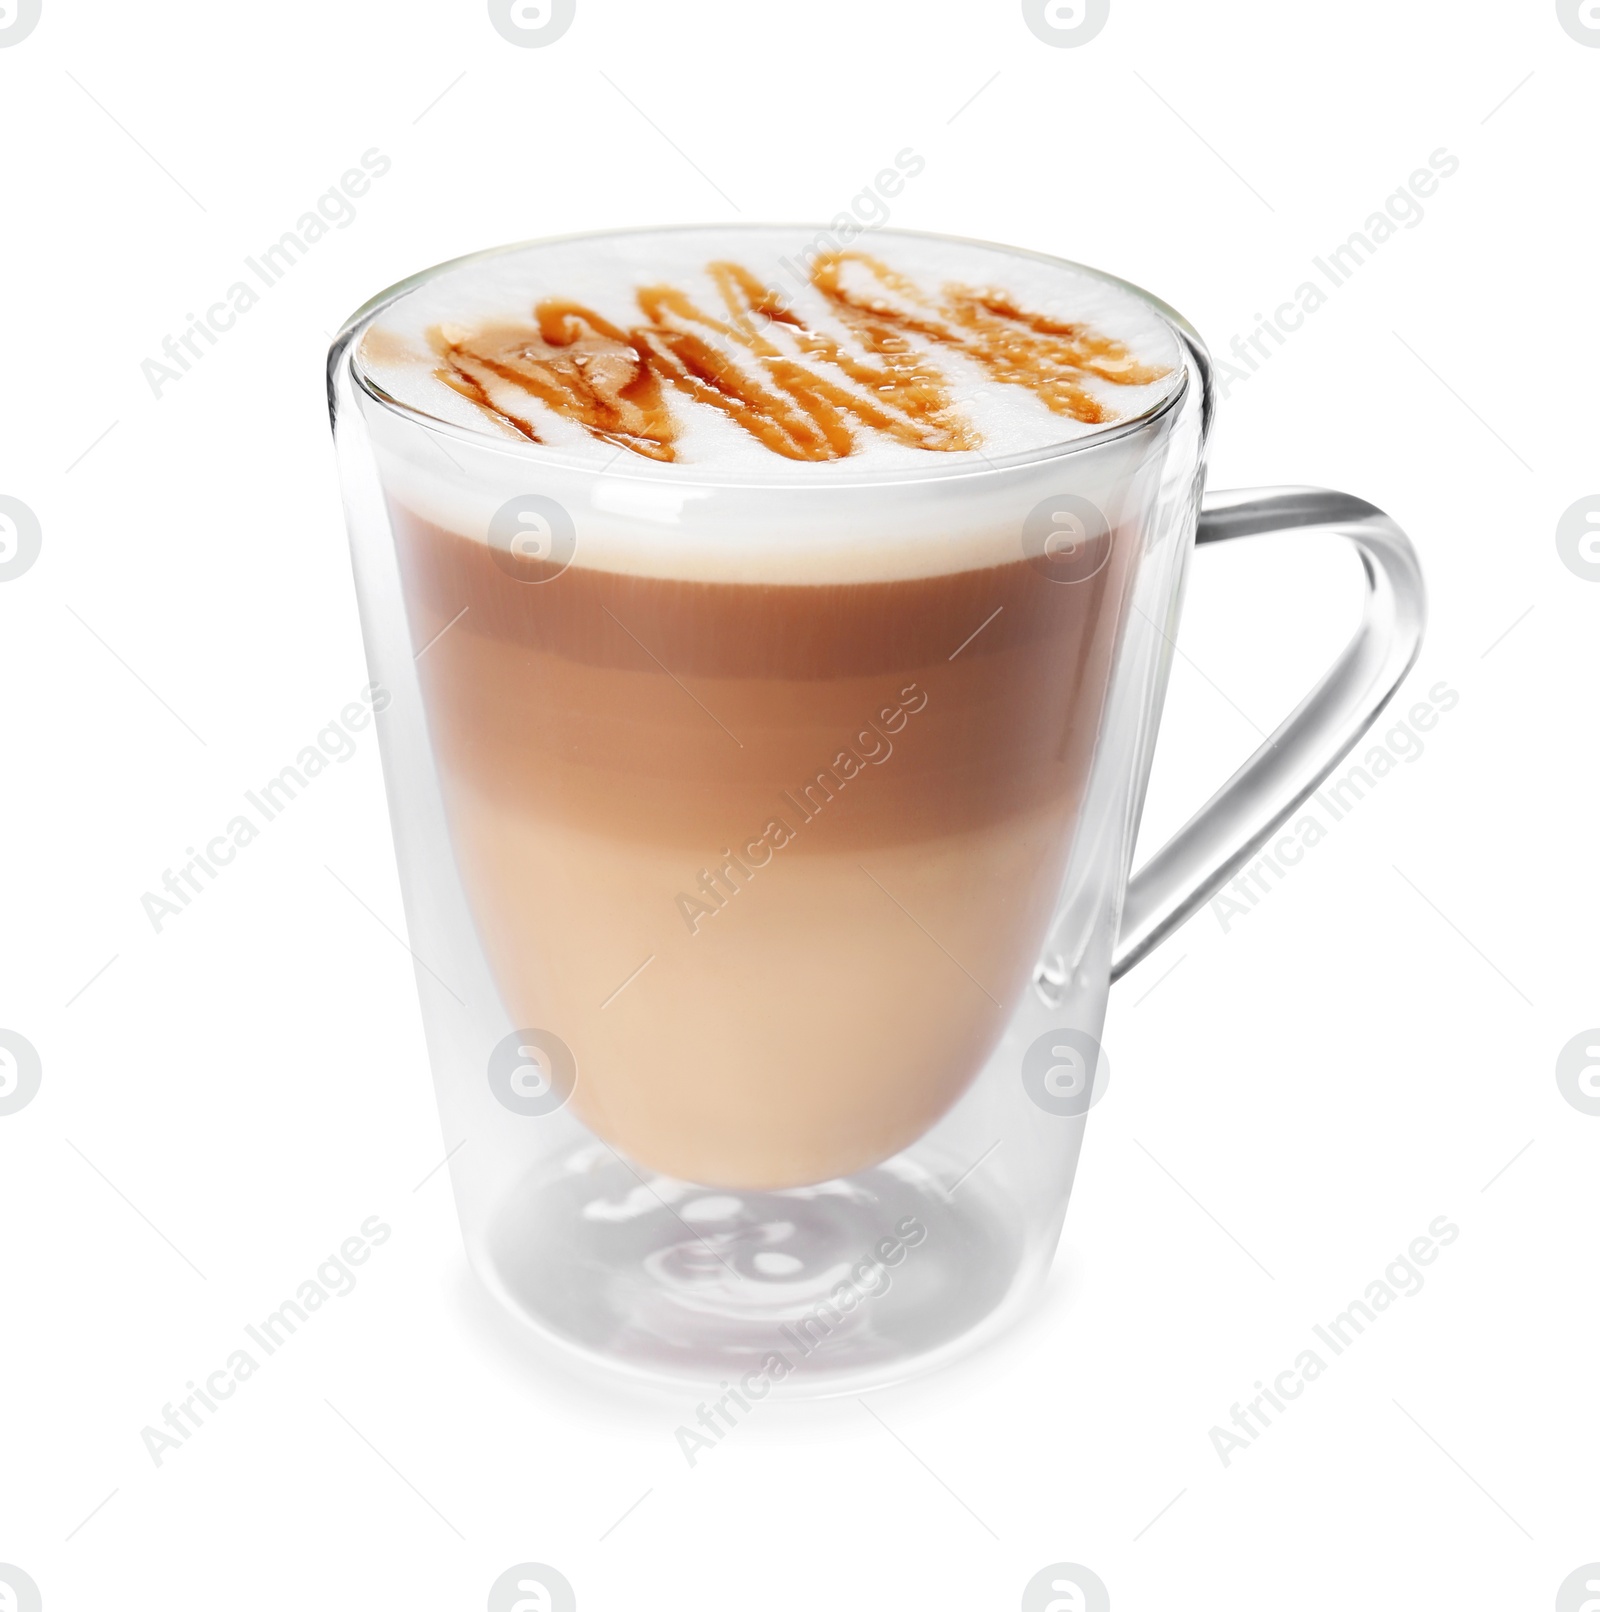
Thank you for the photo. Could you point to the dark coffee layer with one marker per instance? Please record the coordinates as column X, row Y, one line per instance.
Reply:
column 598, row 693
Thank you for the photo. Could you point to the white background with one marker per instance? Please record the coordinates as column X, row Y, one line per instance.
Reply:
column 1368, row 1049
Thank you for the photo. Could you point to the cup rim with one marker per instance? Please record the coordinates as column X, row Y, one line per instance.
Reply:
column 1195, row 359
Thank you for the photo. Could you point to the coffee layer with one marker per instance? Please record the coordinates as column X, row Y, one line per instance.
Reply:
column 775, row 862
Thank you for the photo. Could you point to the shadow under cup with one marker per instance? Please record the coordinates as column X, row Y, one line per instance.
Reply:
column 763, row 924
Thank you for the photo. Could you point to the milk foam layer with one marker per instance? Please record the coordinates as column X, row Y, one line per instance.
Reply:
column 606, row 275
column 708, row 513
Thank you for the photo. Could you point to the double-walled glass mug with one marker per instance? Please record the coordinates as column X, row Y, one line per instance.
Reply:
column 767, row 863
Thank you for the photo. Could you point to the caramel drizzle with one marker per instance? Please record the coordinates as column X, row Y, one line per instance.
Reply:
column 748, row 365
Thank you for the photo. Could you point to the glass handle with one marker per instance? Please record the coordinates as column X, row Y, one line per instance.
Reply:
column 1232, row 826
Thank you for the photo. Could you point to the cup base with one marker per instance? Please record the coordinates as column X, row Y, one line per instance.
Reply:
column 808, row 1291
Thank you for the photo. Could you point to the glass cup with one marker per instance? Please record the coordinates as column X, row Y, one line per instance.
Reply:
column 764, row 929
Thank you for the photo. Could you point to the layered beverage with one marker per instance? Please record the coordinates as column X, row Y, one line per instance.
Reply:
column 765, row 819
